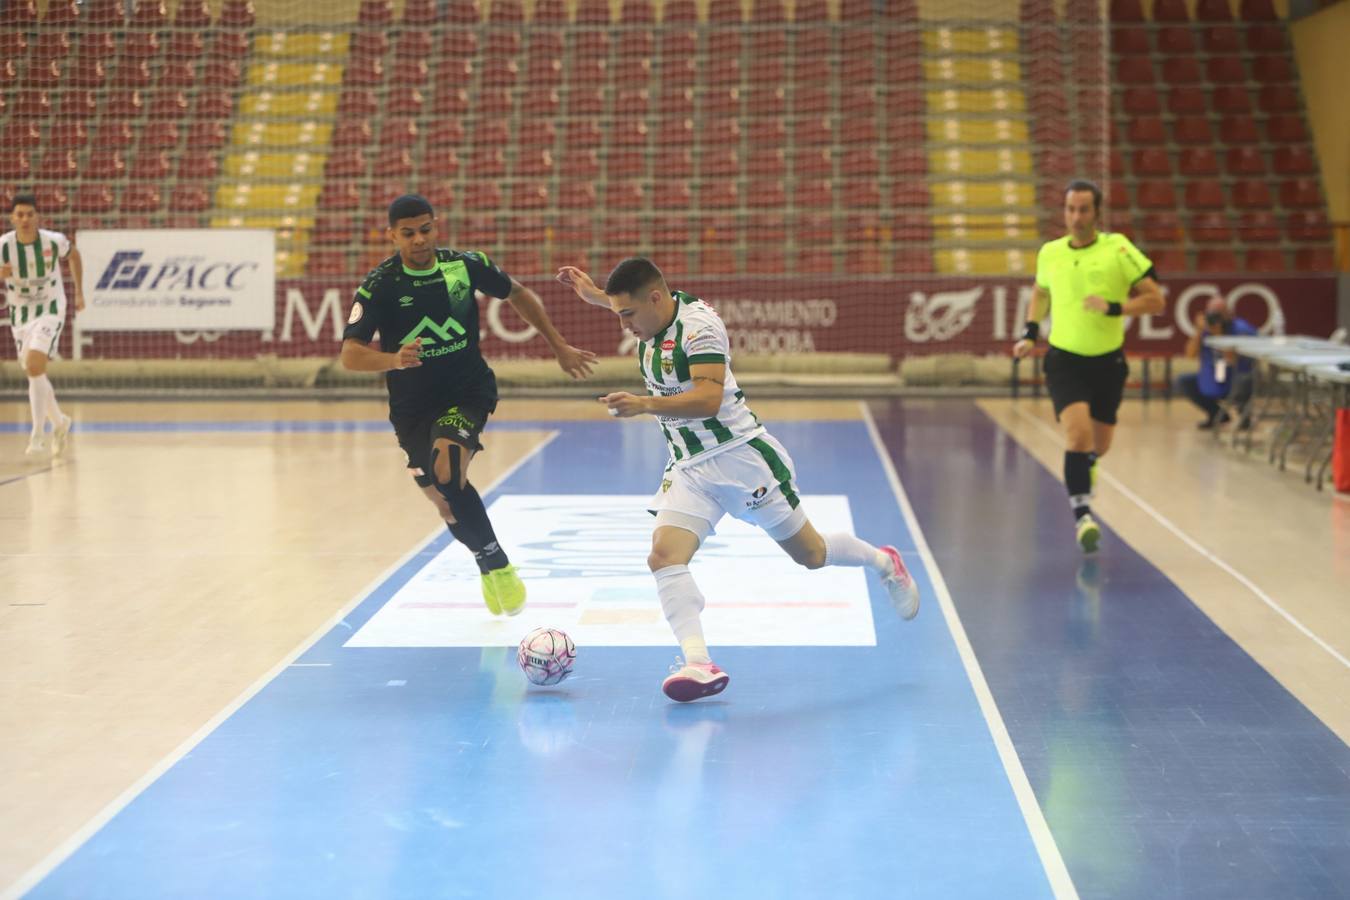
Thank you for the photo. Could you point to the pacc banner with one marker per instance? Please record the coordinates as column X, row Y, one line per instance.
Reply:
column 178, row 280
column 899, row 317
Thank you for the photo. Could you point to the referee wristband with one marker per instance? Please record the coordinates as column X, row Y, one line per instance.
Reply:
column 1113, row 308
column 1031, row 331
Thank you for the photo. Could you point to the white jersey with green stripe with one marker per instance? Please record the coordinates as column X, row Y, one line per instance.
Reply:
column 34, row 287
column 697, row 335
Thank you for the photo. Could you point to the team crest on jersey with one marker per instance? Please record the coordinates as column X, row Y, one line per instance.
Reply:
column 357, row 312
column 665, row 485
column 667, row 365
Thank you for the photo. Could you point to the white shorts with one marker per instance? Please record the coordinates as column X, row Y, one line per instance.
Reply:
column 755, row 482
column 40, row 334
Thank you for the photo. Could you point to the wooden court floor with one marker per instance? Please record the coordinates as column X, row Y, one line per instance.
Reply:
column 158, row 571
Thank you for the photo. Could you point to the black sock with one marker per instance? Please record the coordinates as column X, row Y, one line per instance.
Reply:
column 1078, row 481
column 474, row 531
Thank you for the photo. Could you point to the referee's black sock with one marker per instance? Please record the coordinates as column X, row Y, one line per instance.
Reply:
column 474, row 530
column 1078, row 481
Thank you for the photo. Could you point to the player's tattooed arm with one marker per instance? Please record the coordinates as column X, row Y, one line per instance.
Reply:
column 715, row 381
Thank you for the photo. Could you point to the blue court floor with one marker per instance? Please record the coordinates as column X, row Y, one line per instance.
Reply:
column 1164, row 761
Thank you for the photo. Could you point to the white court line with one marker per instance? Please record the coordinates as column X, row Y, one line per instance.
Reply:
column 1055, row 870
column 33, row 876
column 1198, row 548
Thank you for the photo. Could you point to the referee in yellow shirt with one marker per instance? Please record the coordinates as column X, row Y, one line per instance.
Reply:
column 1088, row 281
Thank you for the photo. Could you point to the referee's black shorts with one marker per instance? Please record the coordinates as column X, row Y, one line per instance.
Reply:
column 1098, row 381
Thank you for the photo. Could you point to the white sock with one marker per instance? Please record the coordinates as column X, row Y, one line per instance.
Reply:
column 682, row 601
column 846, row 550
column 53, row 408
column 38, row 398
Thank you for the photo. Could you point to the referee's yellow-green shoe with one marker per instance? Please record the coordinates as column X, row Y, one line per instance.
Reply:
column 1089, row 535
column 507, row 590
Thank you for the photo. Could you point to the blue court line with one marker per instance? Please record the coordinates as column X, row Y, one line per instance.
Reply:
column 850, row 772
column 1167, row 761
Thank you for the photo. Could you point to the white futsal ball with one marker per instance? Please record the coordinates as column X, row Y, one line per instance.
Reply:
column 546, row 655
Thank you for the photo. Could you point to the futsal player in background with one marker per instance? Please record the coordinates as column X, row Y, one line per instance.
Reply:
column 1088, row 281
column 722, row 460
column 422, row 303
column 30, row 267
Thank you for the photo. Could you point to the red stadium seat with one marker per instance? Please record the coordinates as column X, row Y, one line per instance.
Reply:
column 1301, row 193
column 114, row 134
column 1211, row 228
column 1264, row 259
column 1308, row 225
column 1156, row 195
column 534, row 164
column 1251, row 195
column 1225, row 70
column 346, row 162
column 1192, row 131
column 1175, row 40
column 151, row 166
column 1213, row 11
column 581, row 165
column 1294, row 160
column 625, row 163
column 1125, row 40
column 1245, row 161
column 1220, row 39
column 1286, row 129
column 1181, row 70
column 674, row 162
column 488, row 162
column 861, row 194
column 440, row 162
column 198, row 165
column 1258, row 226
column 1152, row 161
column 1146, row 130
column 1279, row 98
column 1258, row 11
column 481, row 196
column 1170, row 11
column 1238, row 130
column 1310, row 259
column 1272, row 69
column 52, row 198
column 1265, row 38
column 67, row 136
column 93, row 198
column 141, row 198
column 65, row 13
column 339, row 195
column 1194, row 161
column 1231, row 98
column 168, row 105
column 623, row 194
column 1216, row 260
column 159, row 135
column 1161, row 228
column 188, row 197
column 1140, row 101
column 671, row 195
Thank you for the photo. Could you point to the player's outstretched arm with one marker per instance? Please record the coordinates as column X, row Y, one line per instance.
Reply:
column 703, row 400
column 358, row 356
column 575, row 362
column 584, row 286
column 77, row 276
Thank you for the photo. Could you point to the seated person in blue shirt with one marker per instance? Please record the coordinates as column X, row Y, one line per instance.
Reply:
column 1220, row 373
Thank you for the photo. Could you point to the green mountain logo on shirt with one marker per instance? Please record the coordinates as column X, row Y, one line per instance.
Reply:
column 444, row 332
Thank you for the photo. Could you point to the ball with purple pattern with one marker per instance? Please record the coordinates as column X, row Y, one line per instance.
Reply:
column 546, row 655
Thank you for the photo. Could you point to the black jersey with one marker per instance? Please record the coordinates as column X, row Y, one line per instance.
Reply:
column 437, row 305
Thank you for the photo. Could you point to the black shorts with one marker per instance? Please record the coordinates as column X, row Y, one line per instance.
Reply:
column 461, row 424
column 1098, row 381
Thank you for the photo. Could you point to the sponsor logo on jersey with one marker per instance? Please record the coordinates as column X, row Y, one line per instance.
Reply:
column 757, row 498
column 445, row 331
column 453, row 418
column 405, row 300
column 667, row 344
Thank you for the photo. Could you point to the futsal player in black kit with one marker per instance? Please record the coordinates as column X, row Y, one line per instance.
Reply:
column 421, row 302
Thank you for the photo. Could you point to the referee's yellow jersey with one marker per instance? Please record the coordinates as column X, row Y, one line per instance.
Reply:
column 1108, row 267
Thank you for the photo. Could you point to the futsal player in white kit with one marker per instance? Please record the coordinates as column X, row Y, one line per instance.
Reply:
column 722, row 460
column 30, row 268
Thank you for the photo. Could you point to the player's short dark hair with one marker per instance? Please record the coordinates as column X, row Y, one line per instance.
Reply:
column 1082, row 184
column 22, row 200
column 410, row 206
column 633, row 276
